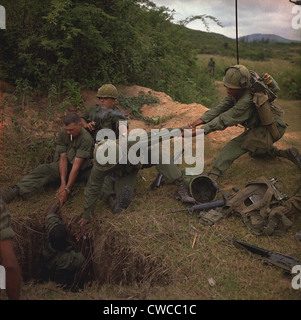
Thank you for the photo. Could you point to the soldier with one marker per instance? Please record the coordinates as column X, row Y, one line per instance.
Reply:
column 107, row 116
column 123, row 179
column 104, row 115
column 7, row 255
column 73, row 162
column 62, row 263
column 211, row 66
column 238, row 108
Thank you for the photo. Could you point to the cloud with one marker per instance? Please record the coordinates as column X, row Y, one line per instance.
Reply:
column 254, row 16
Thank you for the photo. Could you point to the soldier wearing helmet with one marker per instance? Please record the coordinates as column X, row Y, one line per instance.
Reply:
column 239, row 108
column 104, row 115
column 109, row 177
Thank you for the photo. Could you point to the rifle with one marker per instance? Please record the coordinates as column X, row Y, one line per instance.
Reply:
column 203, row 206
column 272, row 258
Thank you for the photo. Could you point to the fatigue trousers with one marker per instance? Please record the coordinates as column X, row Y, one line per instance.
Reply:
column 113, row 185
column 234, row 149
column 45, row 174
column 102, row 185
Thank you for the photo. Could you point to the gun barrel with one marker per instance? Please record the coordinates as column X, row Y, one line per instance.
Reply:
column 251, row 248
column 274, row 258
column 203, row 206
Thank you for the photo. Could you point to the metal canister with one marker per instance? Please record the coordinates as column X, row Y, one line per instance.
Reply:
column 270, row 82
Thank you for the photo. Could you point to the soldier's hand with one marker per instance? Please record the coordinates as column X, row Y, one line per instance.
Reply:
column 62, row 196
column 195, row 123
column 84, row 230
column 193, row 133
column 90, row 126
column 61, row 189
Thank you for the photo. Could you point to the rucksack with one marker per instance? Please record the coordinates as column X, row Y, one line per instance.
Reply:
column 264, row 209
column 264, row 90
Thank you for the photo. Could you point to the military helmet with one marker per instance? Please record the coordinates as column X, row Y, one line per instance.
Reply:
column 107, row 91
column 237, row 77
column 106, row 155
column 202, row 188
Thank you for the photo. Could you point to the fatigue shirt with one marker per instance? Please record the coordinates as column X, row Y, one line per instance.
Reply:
column 104, row 119
column 230, row 112
column 80, row 147
column 6, row 231
column 67, row 259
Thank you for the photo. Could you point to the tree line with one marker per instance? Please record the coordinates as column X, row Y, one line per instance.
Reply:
column 58, row 42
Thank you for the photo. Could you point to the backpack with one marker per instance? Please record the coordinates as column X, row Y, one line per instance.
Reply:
column 264, row 90
column 264, row 209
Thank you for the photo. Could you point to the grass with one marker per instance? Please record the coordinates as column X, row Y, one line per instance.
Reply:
column 149, row 253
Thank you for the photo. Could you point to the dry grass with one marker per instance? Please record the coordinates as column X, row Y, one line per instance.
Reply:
column 148, row 252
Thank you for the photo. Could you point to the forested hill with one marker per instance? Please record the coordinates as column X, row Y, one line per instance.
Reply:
column 59, row 46
column 69, row 43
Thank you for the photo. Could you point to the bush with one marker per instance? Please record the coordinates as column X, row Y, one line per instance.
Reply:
column 116, row 41
column 290, row 82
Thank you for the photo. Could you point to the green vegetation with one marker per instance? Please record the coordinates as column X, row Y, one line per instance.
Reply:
column 134, row 105
column 287, row 72
column 53, row 49
column 91, row 43
column 149, row 253
column 79, row 44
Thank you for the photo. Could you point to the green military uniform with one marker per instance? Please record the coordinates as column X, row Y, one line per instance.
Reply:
column 255, row 139
column 104, row 119
column 123, row 175
column 80, row 147
column 6, row 231
column 60, row 266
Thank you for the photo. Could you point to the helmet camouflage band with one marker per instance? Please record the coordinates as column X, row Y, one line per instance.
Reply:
column 237, row 77
column 107, row 91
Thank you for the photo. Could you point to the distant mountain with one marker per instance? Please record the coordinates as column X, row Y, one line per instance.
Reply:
column 267, row 38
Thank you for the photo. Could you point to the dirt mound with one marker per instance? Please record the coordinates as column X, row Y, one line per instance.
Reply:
column 176, row 113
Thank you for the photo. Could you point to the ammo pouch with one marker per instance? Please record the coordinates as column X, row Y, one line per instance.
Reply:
column 261, row 100
column 263, row 208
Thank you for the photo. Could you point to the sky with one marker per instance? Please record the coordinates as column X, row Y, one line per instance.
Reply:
column 279, row 17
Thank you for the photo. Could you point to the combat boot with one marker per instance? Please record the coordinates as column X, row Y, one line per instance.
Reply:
column 291, row 154
column 10, row 194
column 183, row 193
column 121, row 203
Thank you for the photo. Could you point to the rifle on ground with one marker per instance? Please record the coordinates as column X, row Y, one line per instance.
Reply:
column 202, row 206
column 280, row 260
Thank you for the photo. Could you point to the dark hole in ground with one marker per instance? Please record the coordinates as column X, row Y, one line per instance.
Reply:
column 111, row 262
